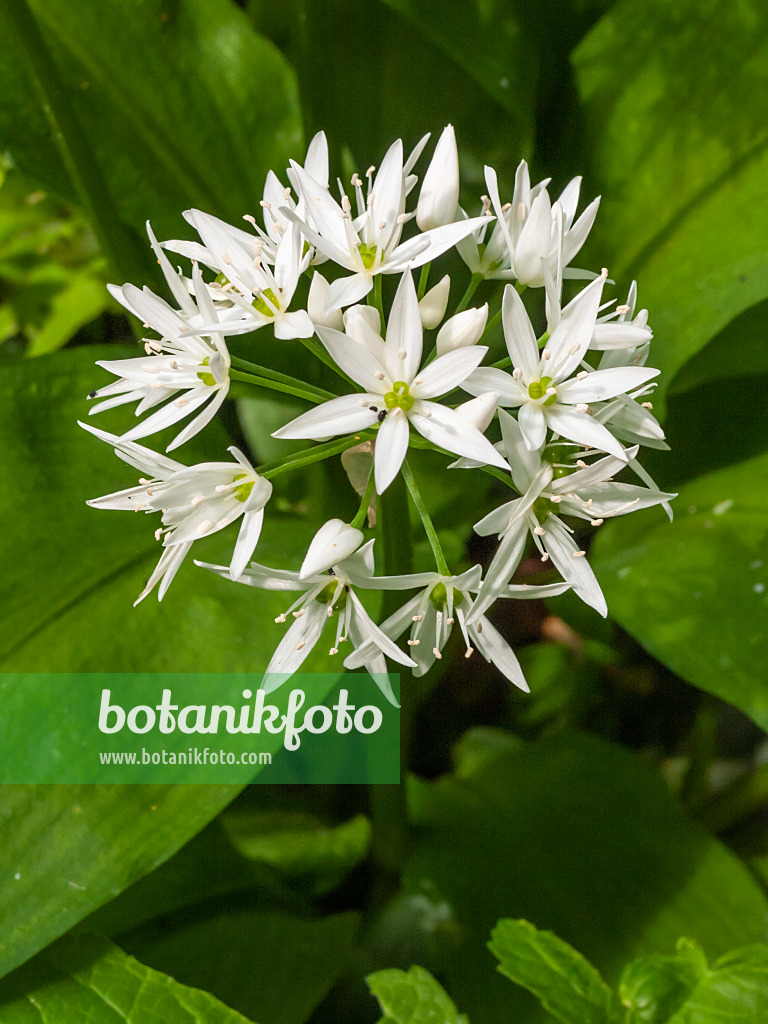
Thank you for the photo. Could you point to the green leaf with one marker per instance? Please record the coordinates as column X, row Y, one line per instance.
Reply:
column 560, row 833
column 682, row 161
column 81, row 301
column 270, row 965
column 667, row 584
column 735, row 990
column 300, row 846
column 566, row 984
column 86, row 979
column 412, row 997
column 654, row 987
column 183, row 104
column 488, row 44
column 73, row 848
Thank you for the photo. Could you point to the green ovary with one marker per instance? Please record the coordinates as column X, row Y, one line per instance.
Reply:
column 367, row 255
column 399, row 397
column 243, row 491
column 261, row 305
column 326, row 596
column 439, row 597
column 543, row 507
column 207, row 378
column 538, row 388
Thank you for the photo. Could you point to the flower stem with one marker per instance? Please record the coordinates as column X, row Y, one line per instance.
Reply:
column 490, row 326
column 116, row 242
column 283, row 378
column 474, row 284
column 378, row 300
column 308, row 456
column 426, row 519
column 365, row 501
column 423, row 278
column 274, row 385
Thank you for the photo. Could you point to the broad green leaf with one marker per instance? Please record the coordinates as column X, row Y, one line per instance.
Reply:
column 566, row 984
column 560, row 833
column 735, row 990
column 489, row 44
column 69, row 849
column 298, row 845
column 86, row 979
column 739, row 350
column 75, row 305
column 654, row 987
column 682, row 160
column 184, row 105
column 413, row 997
column 271, row 966
column 668, row 584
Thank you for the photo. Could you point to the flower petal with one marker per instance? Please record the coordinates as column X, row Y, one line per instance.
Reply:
column 601, row 385
column 391, row 446
column 339, row 416
column 446, row 428
column 574, row 570
column 447, row 372
column 404, row 332
column 584, row 429
column 533, row 425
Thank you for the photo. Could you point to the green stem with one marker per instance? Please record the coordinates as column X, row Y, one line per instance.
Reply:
column 490, row 326
column 426, row 520
column 321, row 395
column 307, row 456
column 474, row 284
column 274, row 385
column 378, row 300
column 423, row 278
column 117, row 243
column 319, row 352
column 520, row 288
column 365, row 502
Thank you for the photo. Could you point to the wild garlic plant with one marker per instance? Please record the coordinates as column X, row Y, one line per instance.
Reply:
column 555, row 420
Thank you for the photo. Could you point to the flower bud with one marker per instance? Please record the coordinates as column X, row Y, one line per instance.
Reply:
column 462, row 330
column 368, row 314
column 439, row 194
column 480, row 411
column 318, row 294
column 333, row 542
column 432, row 307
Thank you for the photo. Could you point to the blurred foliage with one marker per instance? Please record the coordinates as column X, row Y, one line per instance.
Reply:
column 569, row 806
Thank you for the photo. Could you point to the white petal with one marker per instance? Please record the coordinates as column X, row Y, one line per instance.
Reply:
column 434, row 242
column 525, row 464
column 571, row 338
column 447, row 372
column 534, row 240
column 293, row 325
column 347, row 290
column 584, row 429
column 519, row 335
column 575, row 571
column 247, row 538
column 603, row 384
column 339, row 416
column 447, row 429
column 295, row 646
column 501, row 570
column 404, row 332
column 479, row 412
column 495, row 649
column 488, row 378
column 354, row 359
column 390, row 450
column 389, row 195
column 439, row 194
column 533, row 425
column 317, row 305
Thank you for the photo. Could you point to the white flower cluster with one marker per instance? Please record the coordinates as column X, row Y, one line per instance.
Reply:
column 576, row 391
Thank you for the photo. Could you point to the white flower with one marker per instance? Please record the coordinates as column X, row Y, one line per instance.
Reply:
column 260, row 294
column 434, row 304
column 323, row 595
column 552, row 486
column 432, row 614
column 369, row 243
column 193, row 367
column 541, row 384
column 317, row 304
column 195, row 501
column 534, row 231
column 439, row 195
column 397, row 393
